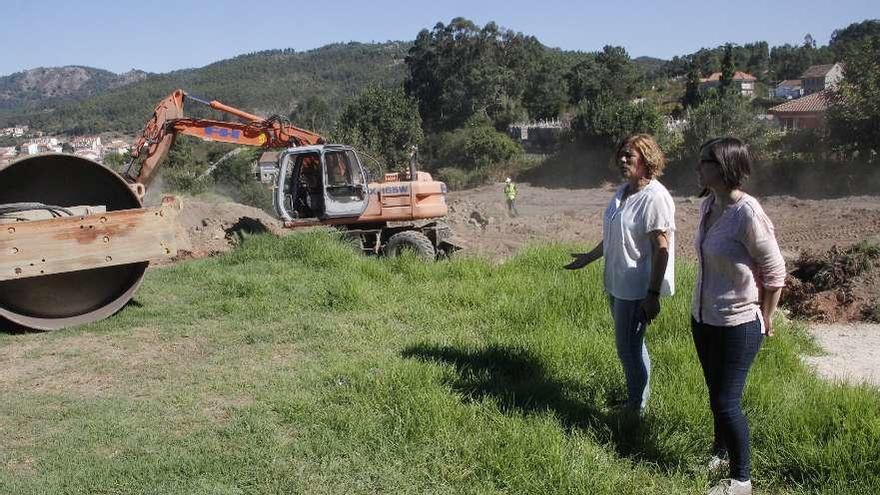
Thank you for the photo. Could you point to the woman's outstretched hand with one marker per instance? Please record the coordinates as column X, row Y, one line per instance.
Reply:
column 580, row 260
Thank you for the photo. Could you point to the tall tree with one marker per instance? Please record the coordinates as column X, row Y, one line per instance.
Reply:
column 728, row 70
column 842, row 40
column 854, row 116
column 692, row 95
column 384, row 122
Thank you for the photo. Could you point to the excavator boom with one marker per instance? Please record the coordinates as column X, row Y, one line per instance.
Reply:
column 168, row 121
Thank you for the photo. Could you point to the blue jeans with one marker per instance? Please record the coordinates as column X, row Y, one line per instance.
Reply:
column 726, row 355
column 629, row 336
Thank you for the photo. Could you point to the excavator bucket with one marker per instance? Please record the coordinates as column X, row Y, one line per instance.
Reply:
column 80, row 256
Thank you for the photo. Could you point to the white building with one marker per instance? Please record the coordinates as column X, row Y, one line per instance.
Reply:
column 742, row 81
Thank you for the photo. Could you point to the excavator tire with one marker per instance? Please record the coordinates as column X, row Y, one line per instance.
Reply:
column 410, row 240
column 61, row 300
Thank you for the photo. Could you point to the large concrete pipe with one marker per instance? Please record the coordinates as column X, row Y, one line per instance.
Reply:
column 66, row 299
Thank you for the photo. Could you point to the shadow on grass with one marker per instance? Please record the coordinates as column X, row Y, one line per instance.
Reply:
column 519, row 383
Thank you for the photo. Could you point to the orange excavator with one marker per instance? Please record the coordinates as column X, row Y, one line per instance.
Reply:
column 76, row 239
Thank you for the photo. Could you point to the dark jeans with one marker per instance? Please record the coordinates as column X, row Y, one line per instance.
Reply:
column 726, row 354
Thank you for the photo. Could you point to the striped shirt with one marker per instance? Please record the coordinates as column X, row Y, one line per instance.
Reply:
column 738, row 256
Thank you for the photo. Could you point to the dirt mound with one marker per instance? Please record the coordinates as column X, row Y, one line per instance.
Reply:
column 837, row 285
column 207, row 228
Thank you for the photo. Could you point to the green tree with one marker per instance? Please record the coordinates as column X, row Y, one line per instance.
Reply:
column 383, row 122
column 692, row 96
column 727, row 115
column 546, row 93
column 313, row 113
column 851, row 37
column 854, row 116
column 606, row 120
column 728, row 70
column 461, row 70
column 584, row 80
column 181, row 171
column 116, row 161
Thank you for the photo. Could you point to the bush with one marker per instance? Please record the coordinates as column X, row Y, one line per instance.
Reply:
column 457, row 179
column 474, row 147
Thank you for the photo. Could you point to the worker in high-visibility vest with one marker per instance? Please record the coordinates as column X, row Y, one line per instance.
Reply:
column 510, row 193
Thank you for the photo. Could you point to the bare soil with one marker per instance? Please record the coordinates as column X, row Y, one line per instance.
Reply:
column 575, row 215
column 211, row 227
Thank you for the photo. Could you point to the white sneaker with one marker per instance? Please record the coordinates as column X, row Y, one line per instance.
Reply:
column 732, row 487
column 718, row 465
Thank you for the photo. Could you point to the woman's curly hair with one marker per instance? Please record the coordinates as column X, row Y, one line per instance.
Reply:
column 652, row 155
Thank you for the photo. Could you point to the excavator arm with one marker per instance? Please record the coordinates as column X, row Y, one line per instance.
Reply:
column 168, row 121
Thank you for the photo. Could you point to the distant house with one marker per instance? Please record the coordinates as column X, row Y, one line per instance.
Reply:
column 87, row 143
column 266, row 168
column 789, row 89
column 117, row 146
column 743, row 81
column 820, row 77
column 17, row 131
column 807, row 112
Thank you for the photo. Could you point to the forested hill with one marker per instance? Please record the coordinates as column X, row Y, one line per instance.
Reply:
column 313, row 82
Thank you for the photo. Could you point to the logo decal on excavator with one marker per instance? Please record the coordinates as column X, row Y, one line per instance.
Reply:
column 223, row 133
column 395, row 190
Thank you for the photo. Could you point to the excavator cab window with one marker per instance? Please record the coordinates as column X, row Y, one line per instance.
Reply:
column 345, row 180
column 345, row 185
column 304, row 186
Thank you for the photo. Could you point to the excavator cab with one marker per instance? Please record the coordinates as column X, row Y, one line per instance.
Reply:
column 319, row 182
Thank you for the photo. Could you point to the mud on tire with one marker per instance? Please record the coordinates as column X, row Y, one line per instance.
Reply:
column 410, row 240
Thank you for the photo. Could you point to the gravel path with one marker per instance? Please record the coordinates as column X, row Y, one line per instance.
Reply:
column 853, row 352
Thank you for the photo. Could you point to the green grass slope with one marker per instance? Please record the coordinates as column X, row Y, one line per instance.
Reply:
column 295, row 365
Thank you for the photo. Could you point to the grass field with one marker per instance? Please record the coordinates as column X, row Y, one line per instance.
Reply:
column 295, row 365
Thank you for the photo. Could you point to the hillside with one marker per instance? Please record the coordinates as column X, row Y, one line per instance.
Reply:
column 42, row 87
column 274, row 81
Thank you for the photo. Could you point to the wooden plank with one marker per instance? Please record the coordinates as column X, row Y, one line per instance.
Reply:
column 44, row 247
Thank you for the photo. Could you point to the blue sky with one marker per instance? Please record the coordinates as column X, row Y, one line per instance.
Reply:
column 160, row 36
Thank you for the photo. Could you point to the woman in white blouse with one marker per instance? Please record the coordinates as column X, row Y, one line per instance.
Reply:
column 740, row 277
column 638, row 246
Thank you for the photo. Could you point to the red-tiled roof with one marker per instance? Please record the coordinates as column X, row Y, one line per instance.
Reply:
column 816, row 102
column 737, row 76
column 817, row 71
